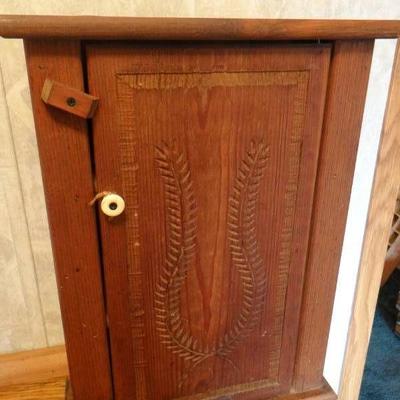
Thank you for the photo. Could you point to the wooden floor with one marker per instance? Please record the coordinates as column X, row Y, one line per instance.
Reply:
column 50, row 390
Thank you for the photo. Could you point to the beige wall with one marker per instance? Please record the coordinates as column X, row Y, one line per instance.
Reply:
column 29, row 311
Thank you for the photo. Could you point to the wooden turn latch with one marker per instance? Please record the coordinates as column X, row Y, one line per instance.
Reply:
column 69, row 99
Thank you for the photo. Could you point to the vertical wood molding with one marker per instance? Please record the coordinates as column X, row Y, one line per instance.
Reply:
column 66, row 168
column 341, row 131
column 383, row 197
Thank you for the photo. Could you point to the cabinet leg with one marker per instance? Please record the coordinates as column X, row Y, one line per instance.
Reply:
column 68, row 390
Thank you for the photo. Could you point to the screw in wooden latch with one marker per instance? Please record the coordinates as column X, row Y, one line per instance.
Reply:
column 71, row 101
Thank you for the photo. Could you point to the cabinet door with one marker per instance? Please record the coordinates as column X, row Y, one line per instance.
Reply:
column 214, row 148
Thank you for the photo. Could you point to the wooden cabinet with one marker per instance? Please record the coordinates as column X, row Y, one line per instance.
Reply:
column 235, row 162
column 214, row 149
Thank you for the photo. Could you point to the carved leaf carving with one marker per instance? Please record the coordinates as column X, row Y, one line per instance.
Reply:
column 242, row 236
column 181, row 212
column 181, row 222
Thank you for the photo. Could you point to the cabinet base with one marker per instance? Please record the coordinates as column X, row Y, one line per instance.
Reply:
column 324, row 393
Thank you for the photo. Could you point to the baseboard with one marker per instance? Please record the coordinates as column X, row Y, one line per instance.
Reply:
column 33, row 366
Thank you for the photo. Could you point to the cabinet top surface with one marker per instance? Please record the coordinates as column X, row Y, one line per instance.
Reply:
column 114, row 28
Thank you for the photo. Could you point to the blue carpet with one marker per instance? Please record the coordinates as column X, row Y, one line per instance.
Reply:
column 382, row 371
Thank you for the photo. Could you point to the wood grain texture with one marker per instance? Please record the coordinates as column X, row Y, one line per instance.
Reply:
column 93, row 27
column 323, row 393
column 48, row 390
column 69, row 99
column 200, row 271
column 392, row 260
column 66, row 168
column 59, row 389
column 68, row 390
column 33, row 366
column 347, row 89
column 380, row 214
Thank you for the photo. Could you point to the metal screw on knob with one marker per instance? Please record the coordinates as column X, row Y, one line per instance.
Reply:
column 113, row 206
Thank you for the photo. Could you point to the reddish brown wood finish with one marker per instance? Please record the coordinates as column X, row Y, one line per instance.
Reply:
column 92, row 27
column 162, row 83
column 69, row 99
column 66, row 168
column 323, row 393
column 348, row 82
column 190, row 136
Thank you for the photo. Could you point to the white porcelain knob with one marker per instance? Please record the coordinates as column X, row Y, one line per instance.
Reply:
column 112, row 205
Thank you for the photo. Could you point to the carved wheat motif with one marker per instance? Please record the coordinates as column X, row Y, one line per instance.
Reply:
column 242, row 235
column 180, row 208
column 181, row 223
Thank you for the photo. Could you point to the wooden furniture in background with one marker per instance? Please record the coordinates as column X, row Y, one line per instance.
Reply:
column 235, row 161
column 392, row 260
column 51, row 389
column 33, row 366
column 380, row 214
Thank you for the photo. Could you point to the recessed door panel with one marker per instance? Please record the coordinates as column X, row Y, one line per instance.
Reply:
column 214, row 150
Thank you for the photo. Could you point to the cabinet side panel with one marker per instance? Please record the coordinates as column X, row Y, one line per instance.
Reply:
column 347, row 88
column 66, row 167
